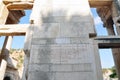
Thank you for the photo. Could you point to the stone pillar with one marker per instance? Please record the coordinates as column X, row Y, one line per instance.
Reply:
column 27, row 47
column 97, row 61
column 116, row 56
column 5, row 53
column 6, row 47
column 116, row 18
column 60, row 45
column 109, row 18
column 3, row 12
column 115, row 51
column 3, row 17
column 110, row 30
column 3, row 66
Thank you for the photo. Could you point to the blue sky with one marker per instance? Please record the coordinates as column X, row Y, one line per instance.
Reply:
column 105, row 54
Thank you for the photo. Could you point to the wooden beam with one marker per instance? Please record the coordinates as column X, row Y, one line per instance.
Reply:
column 100, row 3
column 3, row 13
column 20, row 6
column 13, row 30
column 108, row 41
column 11, row 1
column 28, row 4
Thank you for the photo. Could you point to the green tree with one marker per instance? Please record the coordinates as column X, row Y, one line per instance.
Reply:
column 114, row 74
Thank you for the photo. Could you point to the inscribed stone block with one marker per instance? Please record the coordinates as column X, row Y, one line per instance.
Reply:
column 74, row 76
column 61, row 68
column 75, row 54
column 45, row 54
column 61, row 40
column 39, row 67
column 41, row 75
column 47, row 30
column 84, row 67
column 63, row 19
column 73, row 30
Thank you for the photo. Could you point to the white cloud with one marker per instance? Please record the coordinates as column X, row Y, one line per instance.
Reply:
column 97, row 20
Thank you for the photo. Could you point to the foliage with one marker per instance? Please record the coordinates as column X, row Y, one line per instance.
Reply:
column 114, row 74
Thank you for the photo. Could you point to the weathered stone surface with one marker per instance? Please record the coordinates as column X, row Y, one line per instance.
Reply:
column 84, row 67
column 74, row 76
column 3, row 67
column 39, row 67
column 112, row 24
column 41, row 75
column 60, row 44
column 12, row 74
column 3, row 10
column 60, row 68
column 45, row 54
column 12, row 63
column 60, row 41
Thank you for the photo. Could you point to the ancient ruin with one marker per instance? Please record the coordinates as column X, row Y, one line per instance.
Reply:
column 60, row 41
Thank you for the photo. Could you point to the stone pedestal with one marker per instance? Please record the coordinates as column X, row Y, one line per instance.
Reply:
column 60, row 45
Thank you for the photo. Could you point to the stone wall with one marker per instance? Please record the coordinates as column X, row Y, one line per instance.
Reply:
column 60, row 47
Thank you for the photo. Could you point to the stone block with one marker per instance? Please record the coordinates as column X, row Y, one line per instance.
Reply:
column 41, row 55
column 12, row 63
column 84, row 67
column 45, row 54
column 79, row 40
column 3, row 69
column 70, row 8
column 3, row 10
column 73, row 30
column 60, row 41
column 61, row 48
column 39, row 67
column 61, row 8
column 47, row 30
column 41, row 75
column 75, row 54
column 63, row 19
column 17, row 0
column 55, row 54
column 60, row 68
column 28, row 38
column 74, row 76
